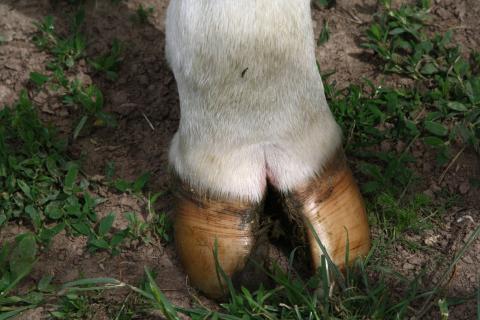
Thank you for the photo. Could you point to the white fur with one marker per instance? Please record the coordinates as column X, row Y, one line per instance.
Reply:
column 274, row 121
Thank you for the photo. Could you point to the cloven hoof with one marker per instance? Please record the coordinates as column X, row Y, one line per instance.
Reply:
column 330, row 204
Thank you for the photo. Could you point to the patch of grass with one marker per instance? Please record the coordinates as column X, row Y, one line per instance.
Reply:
column 447, row 84
column 441, row 109
column 73, row 306
column 395, row 218
column 66, row 51
column 327, row 295
column 372, row 116
column 32, row 168
column 41, row 186
column 135, row 186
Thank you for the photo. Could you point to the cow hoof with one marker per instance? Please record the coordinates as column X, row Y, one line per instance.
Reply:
column 204, row 225
column 331, row 205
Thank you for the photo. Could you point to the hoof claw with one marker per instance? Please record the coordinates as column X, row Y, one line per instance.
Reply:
column 331, row 205
column 200, row 224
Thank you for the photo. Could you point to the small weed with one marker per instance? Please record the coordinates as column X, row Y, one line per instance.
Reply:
column 32, row 167
column 324, row 3
column 102, row 237
column 161, row 223
column 136, row 186
column 142, row 14
column 90, row 99
column 324, row 34
column 137, row 228
column 72, row 306
column 65, row 50
column 110, row 62
column 16, row 262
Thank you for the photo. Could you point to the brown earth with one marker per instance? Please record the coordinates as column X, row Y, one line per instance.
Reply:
column 146, row 90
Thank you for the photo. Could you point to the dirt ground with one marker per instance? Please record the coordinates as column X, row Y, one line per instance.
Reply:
column 146, row 89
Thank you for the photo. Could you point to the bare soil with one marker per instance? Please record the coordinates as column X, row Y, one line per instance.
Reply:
column 146, row 90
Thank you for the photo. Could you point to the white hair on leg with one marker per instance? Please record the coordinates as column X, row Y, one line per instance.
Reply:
column 251, row 97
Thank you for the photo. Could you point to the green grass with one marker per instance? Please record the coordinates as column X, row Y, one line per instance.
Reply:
column 441, row 109
column 109, row 63
column 66, row 51
column 447, row 84
column 142, row 14
column 355, row 295
column 44, row 190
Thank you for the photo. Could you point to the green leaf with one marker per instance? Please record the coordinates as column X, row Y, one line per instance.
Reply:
column 433, row 141
column 396, row 31
column 46, row 234
column 105, row 224
column 375, row 31
column 118, row 238
column 25, row 188
column 71, row 177
column 38, row 78
column 461, row 67
column 161, row 300
column 53, row 211
column 141, row 181
column 44, row 284
column 10, row 314
column 79, row 126
column 429, row 69
column 122, row 185
column 82, row 228
column 34, row 215
column 52, row 167
column 324, row 34
column 457, row 106
column 436, row 128
column 99, row 243
column 472, row 88
column 322, row 3
column 23, row 255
